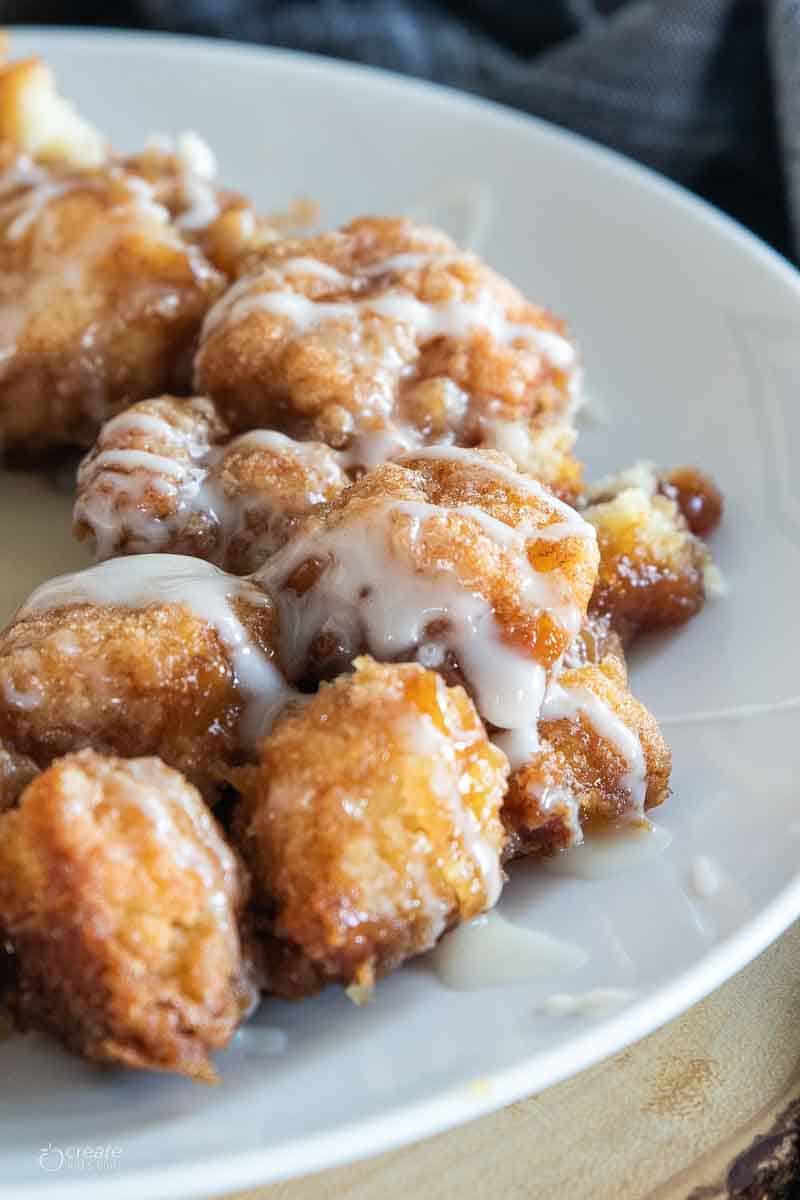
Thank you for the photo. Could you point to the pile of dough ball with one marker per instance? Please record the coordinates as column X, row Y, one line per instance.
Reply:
column 356, row 637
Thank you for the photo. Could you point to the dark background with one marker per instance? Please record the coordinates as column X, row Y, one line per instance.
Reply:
column 683, row 85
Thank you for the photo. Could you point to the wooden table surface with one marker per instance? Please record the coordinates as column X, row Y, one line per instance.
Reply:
column 705, row 1108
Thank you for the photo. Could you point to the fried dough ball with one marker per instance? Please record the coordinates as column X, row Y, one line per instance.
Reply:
column 100, row 301
column 452, row 557
column 653, row 570
column 152, row 655
column 163, row 477
column 371, row 825
column 693, row 491
column 599, row 755
column 140, row 487
column 120, row 900
column 384, row 336
column 36, row 120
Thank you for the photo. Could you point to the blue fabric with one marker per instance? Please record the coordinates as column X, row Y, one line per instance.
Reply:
column 706, row 91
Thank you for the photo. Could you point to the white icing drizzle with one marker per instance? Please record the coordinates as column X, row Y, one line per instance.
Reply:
column 378, row 446
column 198, row 168
column 558, row 530
column 98, row 509
column 30, row 188
column 143, row 196
column 132, row 460
column 203, row 206
column 461, row 318
column 412, row 260
column 26, row 196
column 114, row 498
column 219, row 312
column 196, row 155
column 533, row 449
column 365, row 594
column 136, row 423
column 585, row 1004
column 114, row 484
column 299, row 310
column 572, row 523
column 610, row 853
column 209, row 593
column 538, row 589
column 279, row 443
column 276, row 292
column 246, row 220
column 318, row 270
column 22, row 172
column 555, row 799
column 491, row 951
column 441, row 747
column 452, row 318
column 518, row 745
column 571, row 702
column 34, row 203
column 232, row 512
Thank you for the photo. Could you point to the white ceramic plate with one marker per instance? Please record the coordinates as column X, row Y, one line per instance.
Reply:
column 691, row 335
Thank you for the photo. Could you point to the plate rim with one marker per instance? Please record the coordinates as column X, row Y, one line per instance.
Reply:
column 454, row 1105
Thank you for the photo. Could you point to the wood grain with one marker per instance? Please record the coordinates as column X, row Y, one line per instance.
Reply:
column 704, row 1109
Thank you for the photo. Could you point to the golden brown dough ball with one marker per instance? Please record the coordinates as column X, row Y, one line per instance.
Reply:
column 371, row 825
column 140, row 487
column 154, row 655
column 36, row 120
column 100, row 300
column 164, row 476
column 384, row 336
column 120, row 900
column 598, row 756
column 653, row 570
column 452, row 557
column 268, row 484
